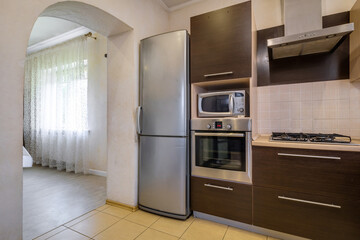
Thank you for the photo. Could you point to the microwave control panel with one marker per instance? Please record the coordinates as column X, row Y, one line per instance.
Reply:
column 239, row 100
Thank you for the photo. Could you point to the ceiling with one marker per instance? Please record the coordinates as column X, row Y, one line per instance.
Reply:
column 268, row 13
column 48, row 27
column 174, row 4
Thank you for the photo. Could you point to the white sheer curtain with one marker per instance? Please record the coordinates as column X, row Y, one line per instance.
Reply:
column 55, row 106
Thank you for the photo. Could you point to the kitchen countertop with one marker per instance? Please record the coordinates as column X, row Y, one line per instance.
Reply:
column 264, row 141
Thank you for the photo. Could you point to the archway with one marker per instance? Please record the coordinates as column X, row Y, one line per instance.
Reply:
column 50, row 205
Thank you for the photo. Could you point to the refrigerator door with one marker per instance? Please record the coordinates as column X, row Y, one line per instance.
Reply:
column 164, row 174
column 164, row 84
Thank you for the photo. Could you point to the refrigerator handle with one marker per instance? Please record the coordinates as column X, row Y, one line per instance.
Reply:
column 138, row 113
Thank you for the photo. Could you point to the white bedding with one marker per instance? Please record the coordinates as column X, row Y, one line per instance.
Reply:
column 27, row 159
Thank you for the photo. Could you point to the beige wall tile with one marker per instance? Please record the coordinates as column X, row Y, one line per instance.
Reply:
column 122, row 230
column 68, row 235
column 142, row 218
column 295, row 110
column 354, row 90
column 200, row 228
column 355, row 108
column 320, row 107
column 355, row 123
column 239, row 234
column 95, row 224
column 172, row 226
column 295, row 92
column 344, row 89
column 343, row 109
column 117, row 212
column 306, row 110
column 151, row 234
column 306, row 92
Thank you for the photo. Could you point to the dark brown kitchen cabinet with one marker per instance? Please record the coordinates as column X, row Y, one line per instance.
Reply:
column 308, row 193
column 328, row 173
column 221, row 44
column 221, row 198
column 287, row 212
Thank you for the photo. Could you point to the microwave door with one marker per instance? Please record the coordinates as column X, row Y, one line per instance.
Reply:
column 210, row 107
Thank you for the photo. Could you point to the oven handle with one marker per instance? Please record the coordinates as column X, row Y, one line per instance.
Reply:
column 215, row 134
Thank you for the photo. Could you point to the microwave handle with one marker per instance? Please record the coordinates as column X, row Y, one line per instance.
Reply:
column 231, row 104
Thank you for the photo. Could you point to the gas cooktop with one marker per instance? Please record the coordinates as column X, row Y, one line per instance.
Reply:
column 311, row 138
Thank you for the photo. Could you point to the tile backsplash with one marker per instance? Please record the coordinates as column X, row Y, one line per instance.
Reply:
column 326, row 107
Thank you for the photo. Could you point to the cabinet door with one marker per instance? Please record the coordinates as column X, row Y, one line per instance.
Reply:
column 221, row 43
column 306, row 215
column 221, row 198
column 329, row 173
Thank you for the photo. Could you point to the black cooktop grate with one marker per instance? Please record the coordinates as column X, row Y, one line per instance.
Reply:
column 310, row 137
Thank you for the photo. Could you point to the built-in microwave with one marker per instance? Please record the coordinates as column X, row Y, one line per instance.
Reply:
column 223, row 104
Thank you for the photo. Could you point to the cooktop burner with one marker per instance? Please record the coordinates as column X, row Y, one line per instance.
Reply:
column 310, row 137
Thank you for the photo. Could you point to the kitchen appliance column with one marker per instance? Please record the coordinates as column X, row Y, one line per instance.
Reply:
column 163, row 124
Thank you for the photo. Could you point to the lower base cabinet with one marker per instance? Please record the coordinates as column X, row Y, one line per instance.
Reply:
column 306, row 215
column 221, row 198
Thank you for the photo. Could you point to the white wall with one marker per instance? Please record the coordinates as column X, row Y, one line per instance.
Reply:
column 97, row 102
column 17, row 17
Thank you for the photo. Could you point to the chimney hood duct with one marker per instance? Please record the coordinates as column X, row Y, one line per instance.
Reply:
column 304, row 33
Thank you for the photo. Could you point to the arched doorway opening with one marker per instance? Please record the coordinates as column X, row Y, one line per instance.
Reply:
column 49, row 210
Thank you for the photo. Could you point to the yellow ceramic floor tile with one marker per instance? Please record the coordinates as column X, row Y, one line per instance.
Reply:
column 172, row 226
column 142, row 218
column 95, row 224
column 81, row 218
column 151, row 234
column 201, row 229
column 123, row 230
column 51, row 233
column 238, row 234
column 117, row 212
column 103, row 207
column 68, row 235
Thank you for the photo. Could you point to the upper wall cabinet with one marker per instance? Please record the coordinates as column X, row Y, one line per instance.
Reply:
column 221, row 44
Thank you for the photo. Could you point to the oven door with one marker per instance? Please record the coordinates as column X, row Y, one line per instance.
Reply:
column 224, row 156
column 216, row 104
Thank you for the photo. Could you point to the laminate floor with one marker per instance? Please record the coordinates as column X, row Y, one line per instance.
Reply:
column 52, row 198
column 114, row 223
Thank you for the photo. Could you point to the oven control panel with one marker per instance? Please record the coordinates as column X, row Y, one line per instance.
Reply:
column 218, row 125
column 221, row 124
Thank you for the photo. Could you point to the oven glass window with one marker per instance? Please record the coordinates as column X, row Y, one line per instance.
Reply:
column 226, row 153
column 219, row 103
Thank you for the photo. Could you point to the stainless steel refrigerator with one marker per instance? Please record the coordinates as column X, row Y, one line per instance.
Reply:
column 163, row 124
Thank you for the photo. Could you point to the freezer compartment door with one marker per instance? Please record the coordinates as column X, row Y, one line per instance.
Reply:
column 163, row 174
column 164, row 84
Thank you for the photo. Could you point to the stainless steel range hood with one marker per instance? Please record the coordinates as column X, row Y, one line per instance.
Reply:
column 304, row 33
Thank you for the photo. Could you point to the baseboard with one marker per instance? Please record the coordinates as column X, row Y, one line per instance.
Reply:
column 122, row 205
column 247, row 227
column 97, row 172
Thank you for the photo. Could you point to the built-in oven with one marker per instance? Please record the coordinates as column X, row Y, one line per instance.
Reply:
column 221, row 149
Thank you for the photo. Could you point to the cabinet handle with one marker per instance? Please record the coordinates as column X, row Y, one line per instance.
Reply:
column 308, row 156
column 218, row 74
column 219, row 187
column 309, row 202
